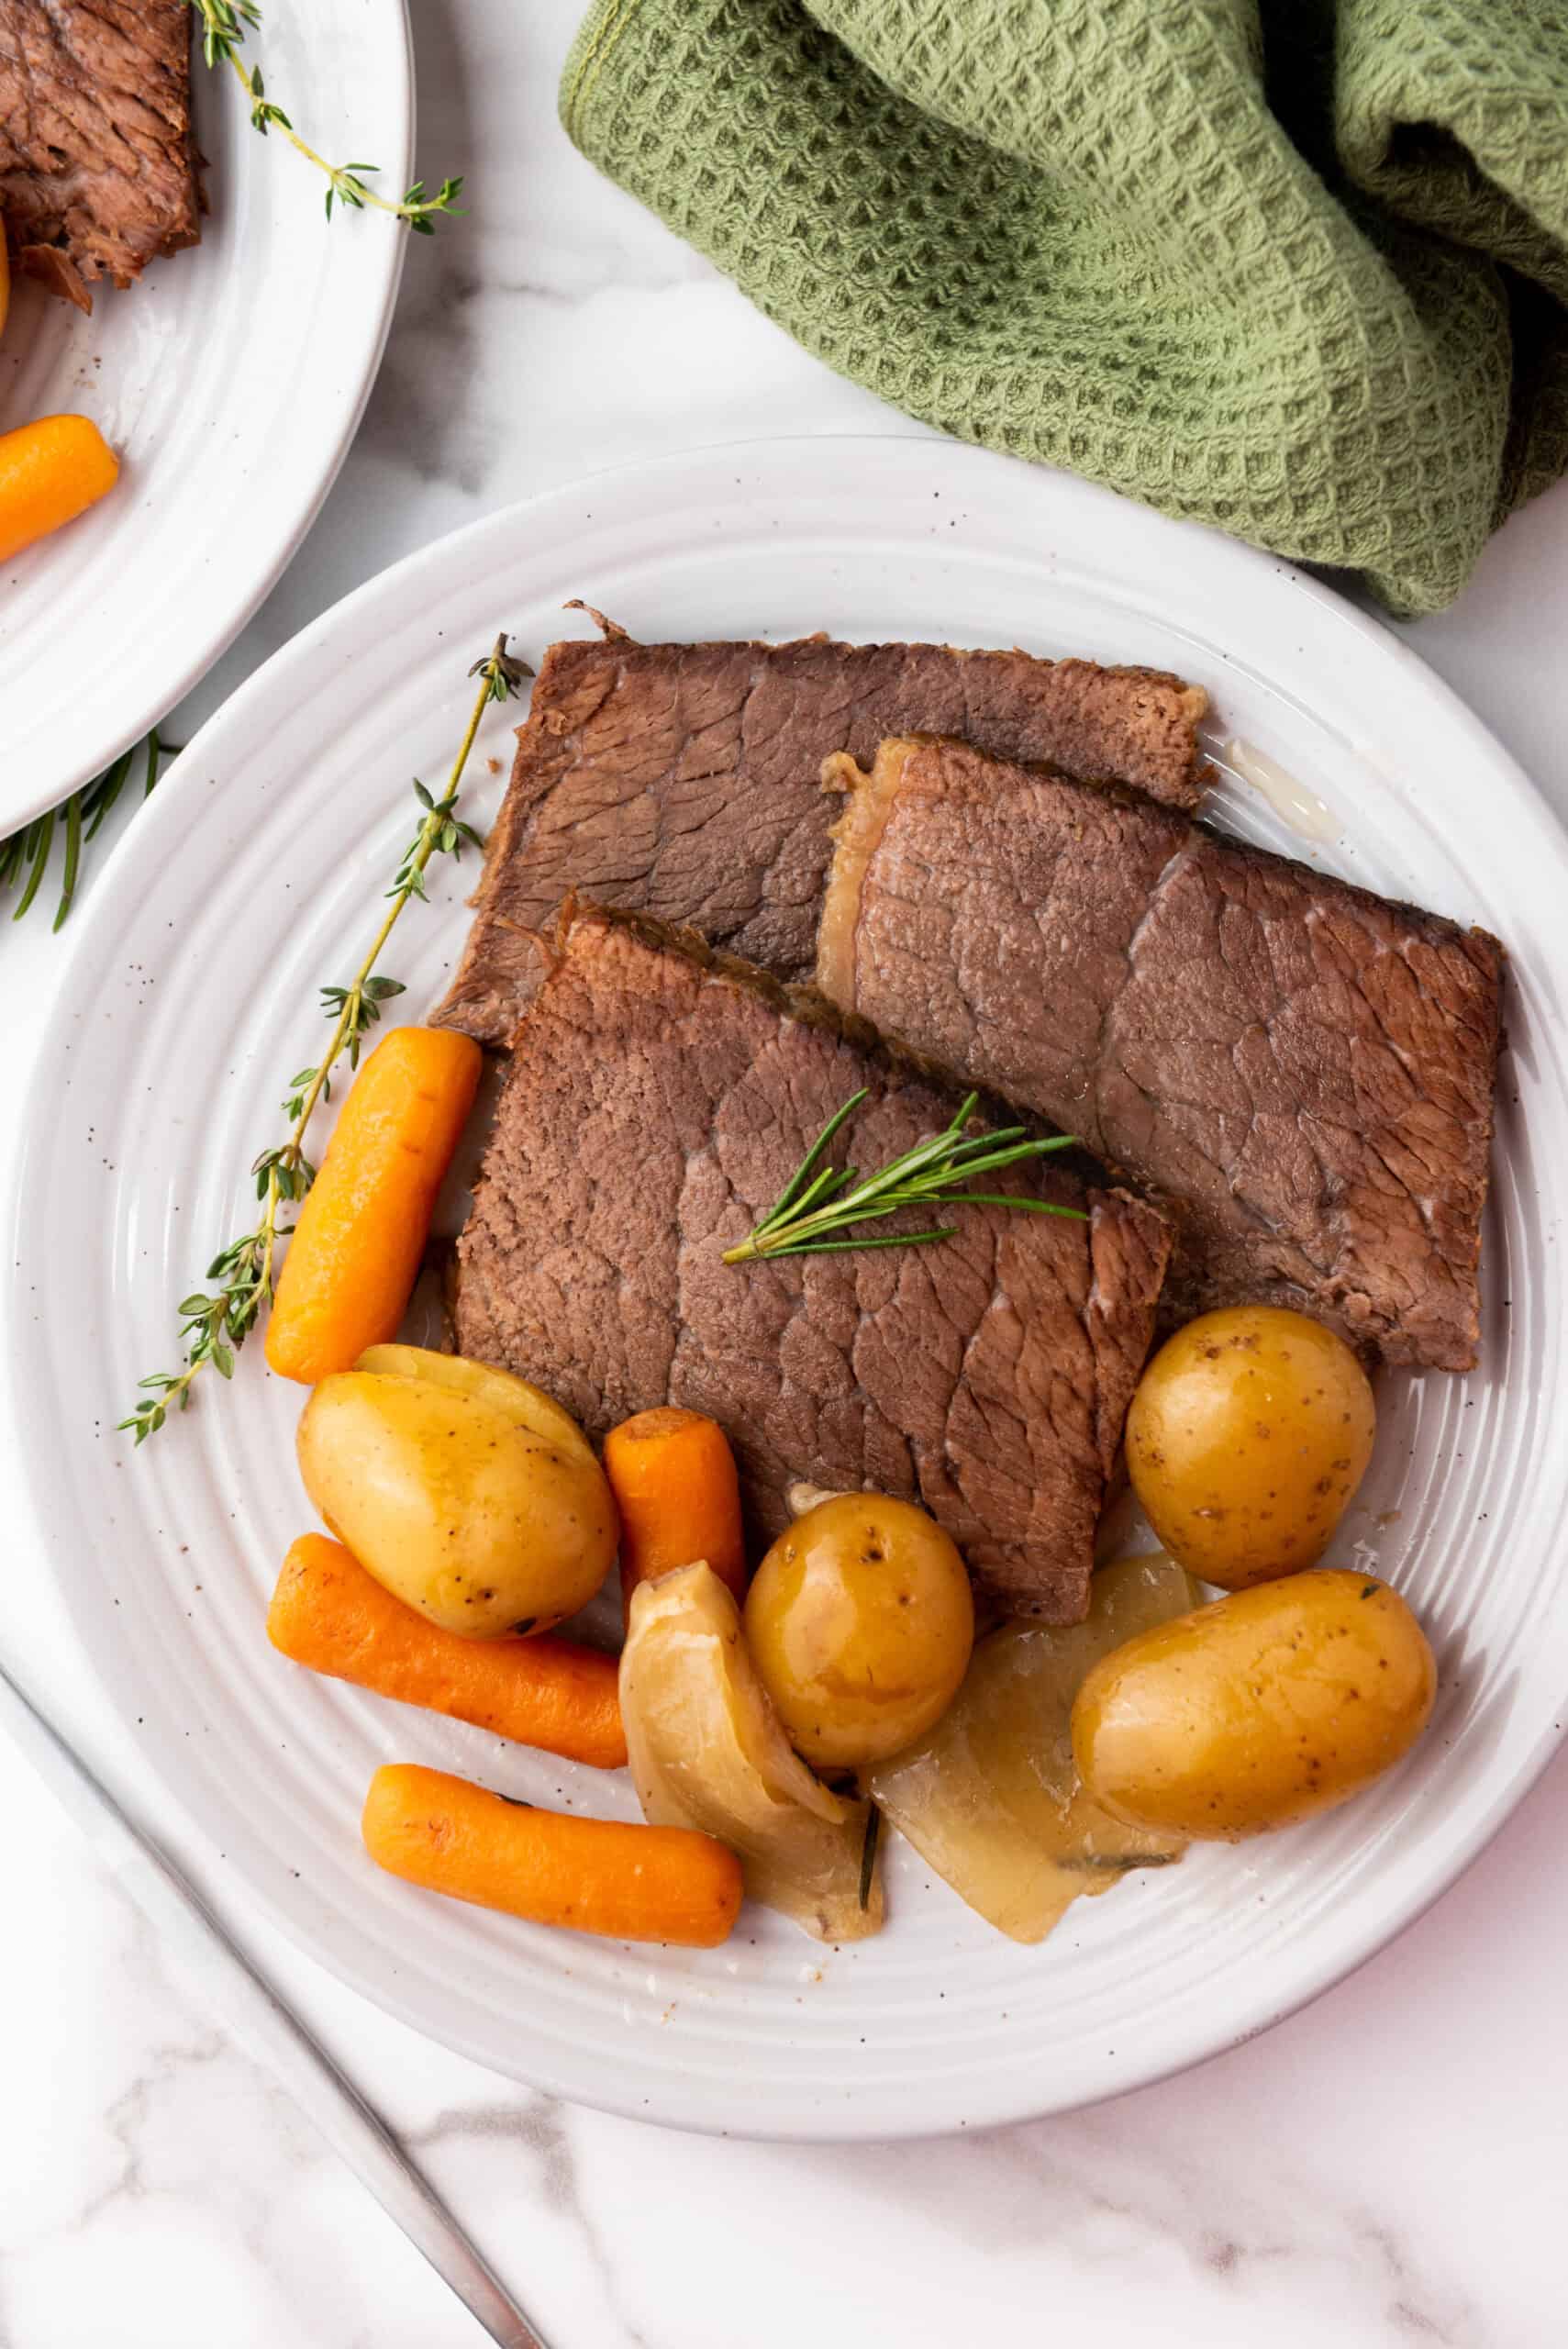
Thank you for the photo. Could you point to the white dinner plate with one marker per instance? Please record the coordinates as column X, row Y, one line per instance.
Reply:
column 189, row 1000
column 229, row 378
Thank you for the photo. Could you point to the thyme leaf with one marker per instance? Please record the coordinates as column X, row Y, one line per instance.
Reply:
column 224, row 25
column 215, row 1322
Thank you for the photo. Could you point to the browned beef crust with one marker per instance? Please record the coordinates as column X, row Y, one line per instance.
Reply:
column 1301, row 1071
column 98, row 173
column 680, row 780
column 657, row 1100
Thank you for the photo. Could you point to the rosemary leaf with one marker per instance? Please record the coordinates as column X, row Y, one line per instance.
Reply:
column 72, row 855
column 40, row 840
column 819, row 1204
column 1009, row 1199
column 100, row 797
column 847, row 1247
column 802, row 1176
column 28, row 851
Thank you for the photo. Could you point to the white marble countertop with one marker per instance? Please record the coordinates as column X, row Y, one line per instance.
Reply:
column 1387, row 2168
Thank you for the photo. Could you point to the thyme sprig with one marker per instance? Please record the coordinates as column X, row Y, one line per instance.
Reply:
column 818, row 1202
column 25, row 854
column 215, row 1322
column 225, row 24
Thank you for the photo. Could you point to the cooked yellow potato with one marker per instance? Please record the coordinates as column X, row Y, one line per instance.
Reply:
column 528, row 1404
column 707, row 1751
column 474, row 1500
column 861, row 1623
column 991, row 1797
column 1248, row 1433
column 1257, row 1712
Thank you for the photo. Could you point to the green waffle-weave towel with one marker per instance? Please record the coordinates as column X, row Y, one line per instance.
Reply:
column 1293, row 268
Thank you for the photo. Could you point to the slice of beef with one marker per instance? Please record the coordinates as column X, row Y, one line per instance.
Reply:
column 97, row 171
column 1300, row 1071
column 658, row 1099
column 681, row 780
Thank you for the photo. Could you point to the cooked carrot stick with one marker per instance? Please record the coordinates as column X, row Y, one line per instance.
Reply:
column 330, row 1615
column 631, row 1883
column 355, row 1253
column 51, row 471
column 672, row 1475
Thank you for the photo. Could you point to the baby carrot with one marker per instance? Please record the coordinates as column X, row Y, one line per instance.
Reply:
column 330, row 1615
column 355, row 1253
column 631, row 1883
column 672, row 1475
column 51, row 471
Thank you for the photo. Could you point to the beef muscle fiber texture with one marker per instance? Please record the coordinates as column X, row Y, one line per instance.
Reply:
column 98, row 174
column 1301, row 1071
column 682, row 781
column 658, row 1099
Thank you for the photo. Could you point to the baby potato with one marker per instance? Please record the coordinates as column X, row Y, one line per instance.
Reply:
column 476, row 1501
column 1248, row 1434
column 860, row 1621
column 1257, row 1712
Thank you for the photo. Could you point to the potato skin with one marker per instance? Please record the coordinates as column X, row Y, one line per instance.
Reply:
column 1257, row 1712
column 518, row 1398
column 1248, row 1433
column 859, row 1620
column 465, row 1503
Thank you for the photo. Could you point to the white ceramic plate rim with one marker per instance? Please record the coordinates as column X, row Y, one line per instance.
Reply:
column 30, row 784
column 136, row 866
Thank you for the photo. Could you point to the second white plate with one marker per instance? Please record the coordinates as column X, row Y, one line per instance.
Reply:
column 191, row 999
column 229, row 379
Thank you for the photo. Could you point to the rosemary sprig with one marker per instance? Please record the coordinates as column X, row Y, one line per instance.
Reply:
column 215, row 1322
column 28, row 851
column 225, row 24
column 819, row 1201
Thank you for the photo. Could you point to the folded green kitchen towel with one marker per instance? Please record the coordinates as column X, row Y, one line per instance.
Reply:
column 1293, row 268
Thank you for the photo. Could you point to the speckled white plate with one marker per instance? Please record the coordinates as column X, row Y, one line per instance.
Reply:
column 229, row 379
column 191, row 999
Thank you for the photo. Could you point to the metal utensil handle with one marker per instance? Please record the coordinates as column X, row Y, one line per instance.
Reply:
column 270, row 2029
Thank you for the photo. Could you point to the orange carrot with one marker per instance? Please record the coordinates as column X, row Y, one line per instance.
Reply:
column 631, row 1883
column 361, row 1232
column 672, row 1475
column 329, row 1614
column 51, row 471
